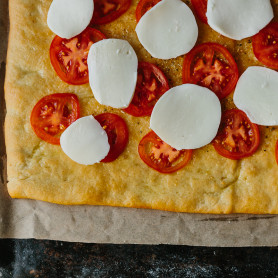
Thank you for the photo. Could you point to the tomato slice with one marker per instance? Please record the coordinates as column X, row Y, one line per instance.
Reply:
column 212, row 66
column 265, row 45
column 106, row 11
column 160, row 156
column 69, row 57
column 53, row 114
column 151, row 85
column 117, row 133
column 237, row 137
column 143, row 6
column 200, row 8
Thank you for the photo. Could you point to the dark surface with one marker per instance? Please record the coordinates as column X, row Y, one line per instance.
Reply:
column 38, row 258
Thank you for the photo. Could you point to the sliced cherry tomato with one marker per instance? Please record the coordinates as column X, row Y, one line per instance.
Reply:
column 53, row 114
column 265, row 45
column 237, row 137
column 143, row 6
column 69, row 57
column 151, row 85
column 200, row 7
column 212, row 66
column 117, row 133
column 106, row 11
column 160, row 156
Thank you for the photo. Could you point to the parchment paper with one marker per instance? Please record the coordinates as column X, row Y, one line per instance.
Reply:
column 35, row 219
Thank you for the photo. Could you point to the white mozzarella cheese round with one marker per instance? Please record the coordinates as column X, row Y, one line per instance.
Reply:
column 112, row 65
column 68, row 18
column 187, row 117
column 256, row 94
column 168, row 30
column 85, row 141
column 239, row 19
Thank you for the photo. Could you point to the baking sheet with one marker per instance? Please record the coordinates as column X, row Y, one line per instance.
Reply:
column 36, row 219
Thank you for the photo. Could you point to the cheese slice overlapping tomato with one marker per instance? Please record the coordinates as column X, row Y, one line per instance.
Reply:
column 85, row 141
column 112, row 65
column 256, row 94
column 168, row 30
column 68, row 18
column 186, row 117
column 238, row 19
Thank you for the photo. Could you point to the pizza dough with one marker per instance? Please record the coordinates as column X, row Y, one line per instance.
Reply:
column 210, row 183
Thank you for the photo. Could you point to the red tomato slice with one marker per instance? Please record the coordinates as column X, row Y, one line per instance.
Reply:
column 53, row 114
column 200, row 8
column 160, row 156
column 212, row 66
column 265, row 45
column 117, row 133
column 151, row 85
column 69, row 57
column 106, row 11
column 237, row 137
column 143, row 6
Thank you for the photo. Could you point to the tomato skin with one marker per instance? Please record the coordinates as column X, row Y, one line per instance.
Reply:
column 200, row 8
column 156, row 154
column 230, row 141
column 265, row 45
column 53, row 114
column 78, row 47
column 151, row 85
column 143, row 6
column 117, row 132
column 212, row 66
column 106, row 11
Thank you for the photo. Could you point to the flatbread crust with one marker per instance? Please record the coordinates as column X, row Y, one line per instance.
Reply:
column 210, row 183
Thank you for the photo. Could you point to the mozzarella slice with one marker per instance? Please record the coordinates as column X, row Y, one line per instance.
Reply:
column 168, row 30
column 239, row 19
column 187, row 117
column 256, row 94
column 85, row 141
column 112, row 65
column 68, row 18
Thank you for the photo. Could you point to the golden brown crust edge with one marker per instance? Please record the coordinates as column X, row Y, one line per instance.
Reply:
column 37, row 170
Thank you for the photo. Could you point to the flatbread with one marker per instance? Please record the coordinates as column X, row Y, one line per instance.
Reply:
column 37, row 170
